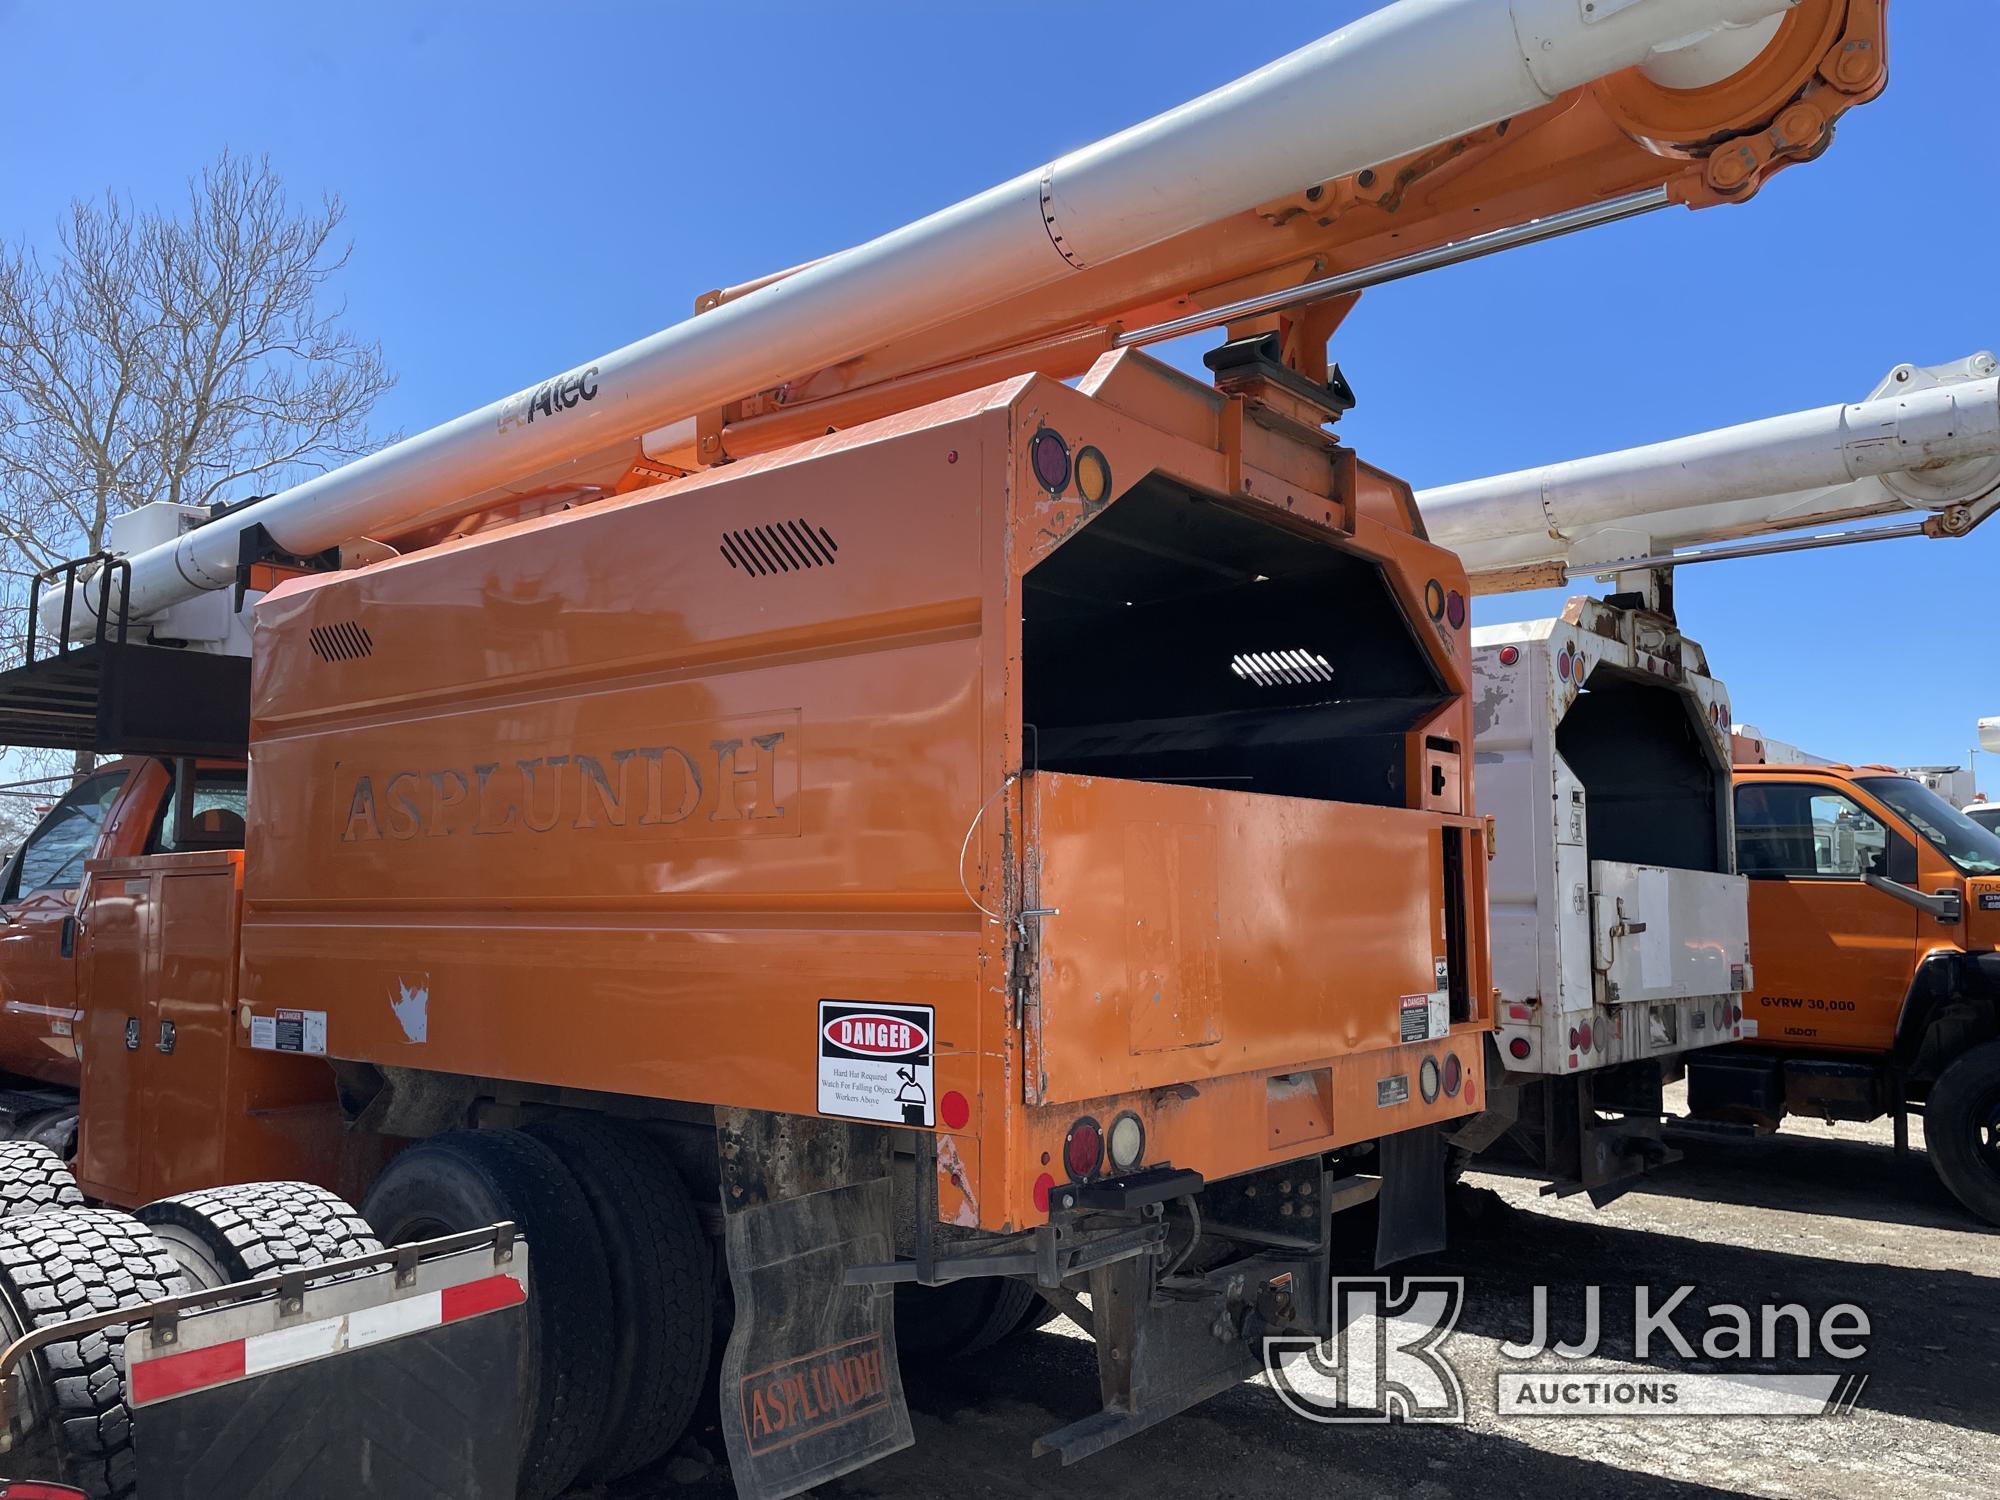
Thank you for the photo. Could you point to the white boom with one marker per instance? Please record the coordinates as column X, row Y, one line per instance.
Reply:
column 1394, row 82
column 1926, row 443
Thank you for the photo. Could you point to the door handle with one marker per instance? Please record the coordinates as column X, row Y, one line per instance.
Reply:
column 167, row 1035
column 1946, row 905
column 131, row 1033
column 68, row 940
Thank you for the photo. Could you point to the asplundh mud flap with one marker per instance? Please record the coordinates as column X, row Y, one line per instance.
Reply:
column 810, row 1387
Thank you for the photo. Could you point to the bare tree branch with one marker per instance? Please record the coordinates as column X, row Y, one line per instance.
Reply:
column 195, row 356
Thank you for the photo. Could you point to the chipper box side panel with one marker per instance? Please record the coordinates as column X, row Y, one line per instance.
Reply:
column 1029, row 757
column 1620, row 927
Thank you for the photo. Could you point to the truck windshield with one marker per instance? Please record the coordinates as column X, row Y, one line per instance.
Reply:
column 1975, row 850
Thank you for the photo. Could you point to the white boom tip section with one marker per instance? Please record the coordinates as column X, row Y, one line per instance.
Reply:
column 1394, row 82
column 1926, row 442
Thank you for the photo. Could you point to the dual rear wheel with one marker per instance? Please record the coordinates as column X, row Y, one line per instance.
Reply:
column 621, row 1314
column 60, row 1260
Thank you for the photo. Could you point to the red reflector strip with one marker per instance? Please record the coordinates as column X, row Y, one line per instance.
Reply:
column 164, row 1376
column 488, row 1294
column 191, row 1370
column 34, row 1489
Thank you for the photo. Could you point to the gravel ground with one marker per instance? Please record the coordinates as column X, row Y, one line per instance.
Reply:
column 1816, row 1215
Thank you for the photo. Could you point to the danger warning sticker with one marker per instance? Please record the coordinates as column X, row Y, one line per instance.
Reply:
column 1425, row 1018
column 875, row 1062
column 302, row 1031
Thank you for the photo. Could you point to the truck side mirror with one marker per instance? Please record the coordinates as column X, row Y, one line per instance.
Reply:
column 1946, row 906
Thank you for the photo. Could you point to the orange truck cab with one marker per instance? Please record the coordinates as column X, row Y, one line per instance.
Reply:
column 1875, row 930
column 118, row 810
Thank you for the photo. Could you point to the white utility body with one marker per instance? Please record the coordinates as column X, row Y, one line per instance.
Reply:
column 1602, row 734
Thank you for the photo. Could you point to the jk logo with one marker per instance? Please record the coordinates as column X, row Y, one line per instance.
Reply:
column 1385, row 1361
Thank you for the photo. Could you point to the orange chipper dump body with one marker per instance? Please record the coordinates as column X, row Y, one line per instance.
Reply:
column 1117, row 744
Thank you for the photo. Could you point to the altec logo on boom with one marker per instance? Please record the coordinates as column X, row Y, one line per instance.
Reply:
column 551, row 398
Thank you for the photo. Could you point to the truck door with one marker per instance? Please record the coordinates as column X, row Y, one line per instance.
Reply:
column 1832, row 956
column 38, row 932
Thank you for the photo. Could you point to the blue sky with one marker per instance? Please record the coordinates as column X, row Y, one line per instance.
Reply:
column 529, row 185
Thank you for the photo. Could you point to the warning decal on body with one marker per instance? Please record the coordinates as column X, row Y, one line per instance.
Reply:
column 1425, row 1018
column 875, row 1062
column 302, row 1031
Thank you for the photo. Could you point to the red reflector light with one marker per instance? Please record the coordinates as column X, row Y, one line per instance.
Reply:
column 1043, row 1184
column 1454, row 1074
column 1454, row 609
column 954, row 1109
column 1519, row 1047
column 35, row 1489
column 1049, row 455
column 1509, row 655
column 1083, row 1148
column 1583, row 1036
column 1562, row 664
column 1573, row 1035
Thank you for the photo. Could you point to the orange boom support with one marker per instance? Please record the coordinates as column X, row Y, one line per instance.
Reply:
column 1009, row 717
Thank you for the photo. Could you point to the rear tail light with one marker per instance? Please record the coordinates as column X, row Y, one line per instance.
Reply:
column 1519, row 1048
column 1583, row 1039
column 1434, row 599
column 1048, row 455
column 1127, row 1143
column 1093, row 476
column 1083, row 1148
column 1428, row 1080
column 1454, row 1075
column 35, row 1489
column 1454, row 609
column 1509, row 655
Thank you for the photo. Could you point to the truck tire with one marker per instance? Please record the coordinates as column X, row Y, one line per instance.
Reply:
column 662, row 1310
column 1962, row 1129
column 468, row 1179
column 237, row 1233
column 960, row 1318
column 68, row 1264
column 1039, row 1314
column 33, row 1180
column 54, row 1128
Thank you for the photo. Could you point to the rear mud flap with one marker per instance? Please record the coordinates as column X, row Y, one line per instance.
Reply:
column 1411, row 1204
column 410, row 1419
column 810, row 1385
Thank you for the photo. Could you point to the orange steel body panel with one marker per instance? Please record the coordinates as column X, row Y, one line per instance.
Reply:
column 621, row 794
column 190, row 1105
column 1834, row 959
column 40, row 1003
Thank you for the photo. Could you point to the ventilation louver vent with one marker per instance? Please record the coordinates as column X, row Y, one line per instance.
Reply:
column 1281, row 668
column 787, row 547
column 346, row 641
